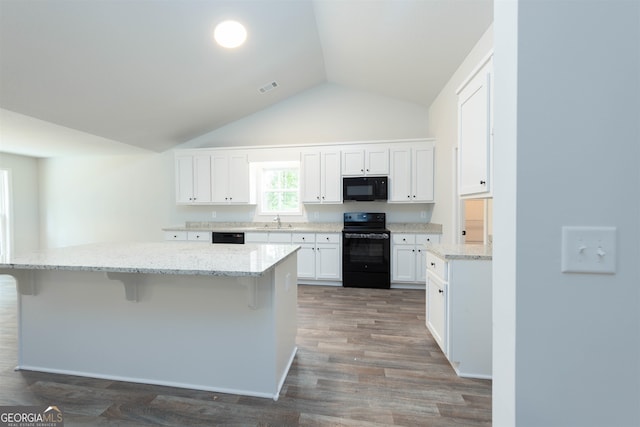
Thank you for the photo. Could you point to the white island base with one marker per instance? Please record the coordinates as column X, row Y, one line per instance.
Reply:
column 218, row 333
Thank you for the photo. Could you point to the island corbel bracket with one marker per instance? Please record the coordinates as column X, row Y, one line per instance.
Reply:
column 252, row 287
column 130, row 282
column 25, row 280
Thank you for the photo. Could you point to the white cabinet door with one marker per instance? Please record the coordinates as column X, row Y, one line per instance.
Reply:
column 238, row 180
column 377, row 161
column 365, row 161
column 321, row 177
column 193, row 178
column 184, row 179
column 400, row 176
column 230, row 178
column 436, row 310
column 411, row 176
column 310, row 162
column 353, row 162
column 307, row 261
column 331, row 178
column 474, row 133
column 422, row 174
column 328, row 262
column 404, row 263
column 220, row 178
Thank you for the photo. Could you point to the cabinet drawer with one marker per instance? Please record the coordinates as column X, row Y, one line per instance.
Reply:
column 303, row 238
column 423, row 239
column 404, row 239
column 175, row 235
column 199, row 236
column 438, row 266
column 328, row 238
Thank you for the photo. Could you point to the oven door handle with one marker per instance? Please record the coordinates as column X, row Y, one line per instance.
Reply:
column 370, row 236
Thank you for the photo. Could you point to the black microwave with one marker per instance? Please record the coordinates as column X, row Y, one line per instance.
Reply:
column 364, row 188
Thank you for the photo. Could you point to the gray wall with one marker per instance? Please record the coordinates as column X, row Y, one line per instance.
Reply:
column 567, row 146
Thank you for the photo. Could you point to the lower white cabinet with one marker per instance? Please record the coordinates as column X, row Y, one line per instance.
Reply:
column 408, row 259
column 458, row 312
column 192, row 236
column 273, row 237
column 319, row 257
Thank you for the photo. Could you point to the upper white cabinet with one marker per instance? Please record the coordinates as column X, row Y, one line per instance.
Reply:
column 365, row 161
column 411, row 177
column 475, row 128
column 230, row 178
column 193, row 178
column 321, row 179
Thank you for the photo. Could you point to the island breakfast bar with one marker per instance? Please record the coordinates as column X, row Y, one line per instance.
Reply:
column 193, row 315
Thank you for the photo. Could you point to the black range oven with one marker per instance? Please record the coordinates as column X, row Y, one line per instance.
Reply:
column 366, row 251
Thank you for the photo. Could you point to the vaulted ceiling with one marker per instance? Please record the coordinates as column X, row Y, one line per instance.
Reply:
column 147, row 73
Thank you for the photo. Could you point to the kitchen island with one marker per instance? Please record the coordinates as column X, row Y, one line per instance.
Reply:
column 209, row 317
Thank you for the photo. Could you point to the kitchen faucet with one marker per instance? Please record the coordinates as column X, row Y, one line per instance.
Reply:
column 277, row 219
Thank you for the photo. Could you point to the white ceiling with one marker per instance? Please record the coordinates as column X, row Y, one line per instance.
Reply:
column 146, row 73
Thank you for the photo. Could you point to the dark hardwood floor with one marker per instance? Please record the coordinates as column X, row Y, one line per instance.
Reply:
column 365, row 359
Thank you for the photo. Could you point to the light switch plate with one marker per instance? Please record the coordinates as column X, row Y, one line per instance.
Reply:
column 589, row 250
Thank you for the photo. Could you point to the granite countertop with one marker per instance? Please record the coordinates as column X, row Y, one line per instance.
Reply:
column 158, row 258
column 468, row 252
column 293, row 227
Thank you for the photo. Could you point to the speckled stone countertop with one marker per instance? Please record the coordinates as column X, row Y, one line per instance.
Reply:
column 158, row 258
column 292, row 227
column 411, row 227
column 469, row 252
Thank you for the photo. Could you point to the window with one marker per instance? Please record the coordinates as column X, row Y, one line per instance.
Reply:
column 280, row 190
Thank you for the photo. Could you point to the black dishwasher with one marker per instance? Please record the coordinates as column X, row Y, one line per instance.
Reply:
column 235, row 238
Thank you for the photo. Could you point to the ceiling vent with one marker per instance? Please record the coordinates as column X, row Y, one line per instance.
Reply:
column 266, row 88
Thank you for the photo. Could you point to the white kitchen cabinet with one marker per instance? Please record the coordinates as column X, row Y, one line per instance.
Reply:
column 199, row 236
column 306, row 254
column 365, row 161
column 475, row 128
column 321, row 178
column 230, row 178
column 271, row 237
column 319, row 257
column 408, row 261
column 175, row 235
column 193, row 178
column 458, row 312
column 411, row 178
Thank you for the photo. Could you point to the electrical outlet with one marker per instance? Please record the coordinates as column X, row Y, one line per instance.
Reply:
column 588, row 250
column 213, row 214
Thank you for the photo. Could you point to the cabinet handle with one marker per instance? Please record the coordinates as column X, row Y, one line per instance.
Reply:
column 408, row 196
column 362, row 170
column 414, row 196
column 413, row 250
column 367, row 170
column 440, row 291
column 318, row 197
column 433, row 264
column 483, row 182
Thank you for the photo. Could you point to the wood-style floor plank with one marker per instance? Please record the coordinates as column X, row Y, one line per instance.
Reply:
column 365, row 359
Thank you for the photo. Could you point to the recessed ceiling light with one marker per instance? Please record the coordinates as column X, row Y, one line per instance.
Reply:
column 230, row 34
